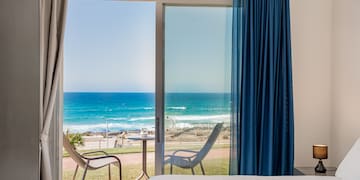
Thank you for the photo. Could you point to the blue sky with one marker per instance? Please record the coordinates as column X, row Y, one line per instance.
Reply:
column 110, row 47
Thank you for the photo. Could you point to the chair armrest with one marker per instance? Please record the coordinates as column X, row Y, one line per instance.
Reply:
column 93, row 152
column 182, row 157
column 103, row 157
column 185, row 150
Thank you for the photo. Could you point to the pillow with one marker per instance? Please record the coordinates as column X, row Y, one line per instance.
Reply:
column 349, row 168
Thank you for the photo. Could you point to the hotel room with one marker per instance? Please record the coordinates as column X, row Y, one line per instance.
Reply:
column 302, row 92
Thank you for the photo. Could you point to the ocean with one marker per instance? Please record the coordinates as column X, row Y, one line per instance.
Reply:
column 98, row 112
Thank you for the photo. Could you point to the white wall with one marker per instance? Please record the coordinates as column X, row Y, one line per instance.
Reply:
column 326, row 62
column 19, row 89
column 346, row 77
column 311, row 24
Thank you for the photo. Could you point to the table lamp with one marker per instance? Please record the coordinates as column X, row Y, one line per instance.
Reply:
column 320, row 152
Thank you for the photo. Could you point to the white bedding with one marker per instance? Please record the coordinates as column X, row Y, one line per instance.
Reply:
column 189, row 177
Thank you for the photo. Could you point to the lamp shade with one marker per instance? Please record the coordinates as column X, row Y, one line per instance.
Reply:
column 320, row 151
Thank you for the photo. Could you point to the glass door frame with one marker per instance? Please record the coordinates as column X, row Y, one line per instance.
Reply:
column 159, row 81
column 159, row 69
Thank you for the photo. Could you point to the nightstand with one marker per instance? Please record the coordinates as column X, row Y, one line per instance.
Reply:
column 309, row 171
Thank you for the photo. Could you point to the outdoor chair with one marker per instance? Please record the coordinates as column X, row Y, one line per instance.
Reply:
column 196, row 157
column 90, row 163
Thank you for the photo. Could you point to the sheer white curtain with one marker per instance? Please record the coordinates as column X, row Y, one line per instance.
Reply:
column 52, row 26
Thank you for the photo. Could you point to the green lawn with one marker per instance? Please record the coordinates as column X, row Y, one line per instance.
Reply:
column 212, row 167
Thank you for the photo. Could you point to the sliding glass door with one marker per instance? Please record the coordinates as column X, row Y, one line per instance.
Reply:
column 113, row 97
column 197, row 80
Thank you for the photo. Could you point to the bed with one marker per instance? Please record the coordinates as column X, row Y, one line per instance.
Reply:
column 189, row 177
column 349, row 169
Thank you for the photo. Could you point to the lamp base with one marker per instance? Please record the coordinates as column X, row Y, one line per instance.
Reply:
column 320, row 168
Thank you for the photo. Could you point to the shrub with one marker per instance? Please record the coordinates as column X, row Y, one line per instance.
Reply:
column 75, row 139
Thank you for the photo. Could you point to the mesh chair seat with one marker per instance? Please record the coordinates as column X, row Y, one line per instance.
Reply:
column 189, row 162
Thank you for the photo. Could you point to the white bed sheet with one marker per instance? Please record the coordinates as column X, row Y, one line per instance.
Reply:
column 189, row 177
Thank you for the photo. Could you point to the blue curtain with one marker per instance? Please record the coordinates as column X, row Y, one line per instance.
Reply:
column 262, row 98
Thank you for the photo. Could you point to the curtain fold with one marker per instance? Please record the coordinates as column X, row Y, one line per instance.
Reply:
column 263, row 118
column 52, row 26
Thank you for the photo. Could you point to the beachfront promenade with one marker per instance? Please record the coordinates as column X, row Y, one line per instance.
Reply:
column 195, row 135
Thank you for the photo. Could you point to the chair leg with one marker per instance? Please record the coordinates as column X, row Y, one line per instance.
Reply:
column 85, row 170
column 109, row 172
column 171, row 168
column 202, row 168
column 77, row 167
column 120, row 177
column 192, row 170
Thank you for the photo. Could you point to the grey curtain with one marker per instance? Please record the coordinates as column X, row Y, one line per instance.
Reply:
column 52, row 26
